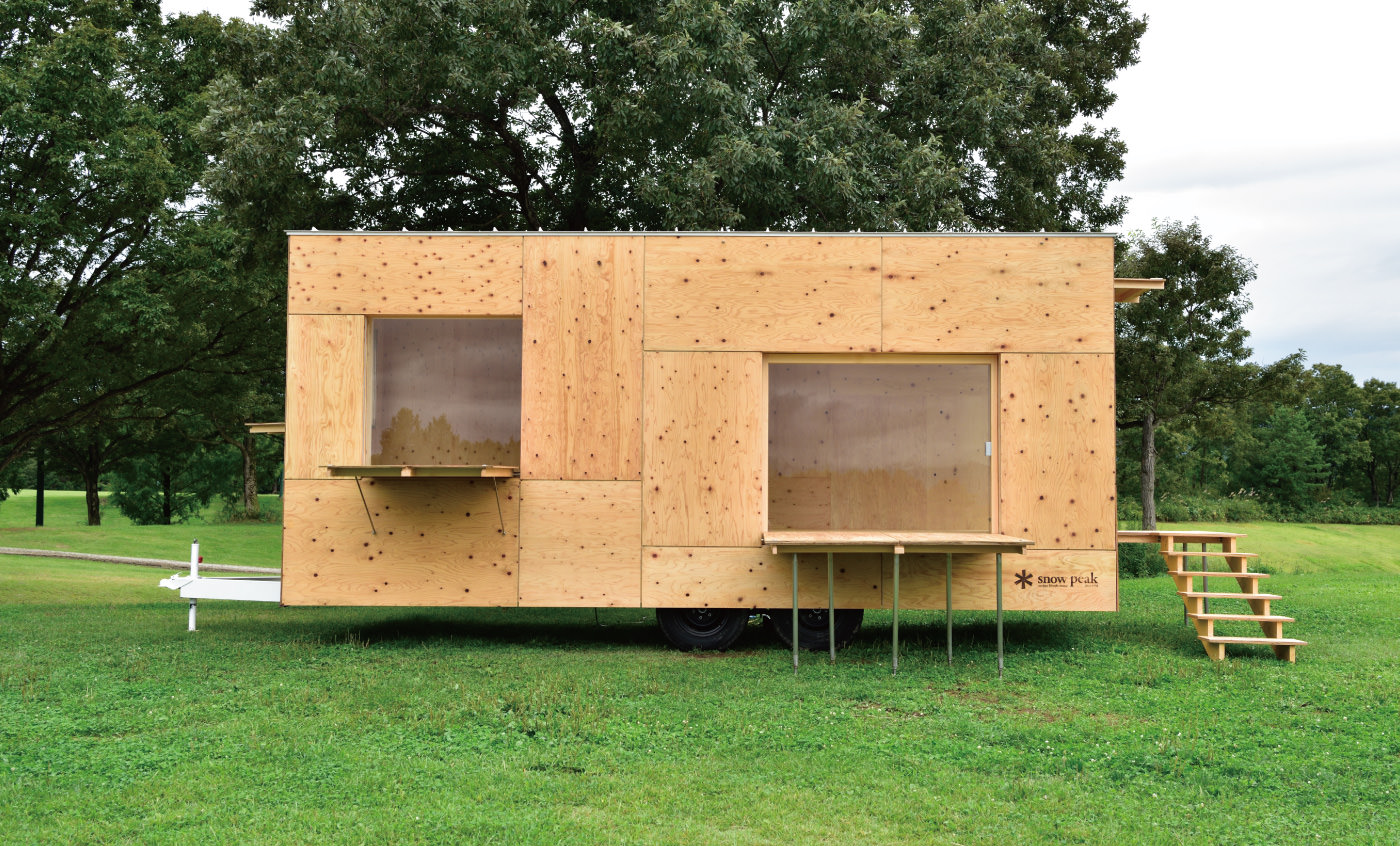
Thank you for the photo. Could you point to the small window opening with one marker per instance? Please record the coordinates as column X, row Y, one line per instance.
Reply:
column 446, row 391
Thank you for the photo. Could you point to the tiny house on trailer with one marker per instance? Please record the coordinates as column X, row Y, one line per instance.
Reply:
column 689, row 421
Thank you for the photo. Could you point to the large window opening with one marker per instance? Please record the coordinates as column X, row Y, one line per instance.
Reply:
column 446, row 391
column 880, row 446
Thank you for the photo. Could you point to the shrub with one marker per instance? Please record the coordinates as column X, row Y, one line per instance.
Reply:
column 1139, row 559
column 1239, row 507
column 1129, row 510
column 158, row 490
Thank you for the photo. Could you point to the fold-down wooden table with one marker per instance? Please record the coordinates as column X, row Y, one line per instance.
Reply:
column 896, row 544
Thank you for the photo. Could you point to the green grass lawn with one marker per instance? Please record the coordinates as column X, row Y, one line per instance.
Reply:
column 283, row 725
column 1314, row 548
column 65, row 528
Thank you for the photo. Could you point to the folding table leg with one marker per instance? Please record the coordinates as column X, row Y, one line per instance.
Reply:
column 894, row 660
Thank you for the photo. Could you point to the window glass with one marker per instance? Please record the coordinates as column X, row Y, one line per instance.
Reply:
column 893, row 447
column 446, row 391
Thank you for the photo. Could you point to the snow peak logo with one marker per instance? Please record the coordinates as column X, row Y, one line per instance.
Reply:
column 1025, row 579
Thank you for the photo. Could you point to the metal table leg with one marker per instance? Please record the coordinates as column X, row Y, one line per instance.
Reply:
column 1000, row 658
column 831, row 604
column 894, row 661
column 948, row 608
column 794, row 612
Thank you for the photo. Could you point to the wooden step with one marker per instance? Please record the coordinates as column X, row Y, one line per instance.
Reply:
column 1156, row 536
column 1251, row 618
column 1285, row 648
column 1265, row 641
column 1210, row 574
column 1197, row 594
column 1182, row 553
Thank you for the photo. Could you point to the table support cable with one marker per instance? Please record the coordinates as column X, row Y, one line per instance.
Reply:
column 365, row 503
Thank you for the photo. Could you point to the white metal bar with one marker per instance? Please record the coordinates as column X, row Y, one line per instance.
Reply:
column 194, row 574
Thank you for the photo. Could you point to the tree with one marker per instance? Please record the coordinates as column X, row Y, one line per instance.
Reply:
column 1182, row 351
column 1287, row 465
column 877, row 115
column 1336, row 412
column 1382, row 431
column 90, row 451
column 116, row 277
column 169, row 480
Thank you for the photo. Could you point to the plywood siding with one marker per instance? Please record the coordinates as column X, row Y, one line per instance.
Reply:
column 411, row 274
column 580, row 543
column 439, row 542
column 709, row 577
column 1039, row 580
column 1057, row 447
column 325, row 393
column 788, row 294
column 582, row 358
column 704, row 452
column 998, row 294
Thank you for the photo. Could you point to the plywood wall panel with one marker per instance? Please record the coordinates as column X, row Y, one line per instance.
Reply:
column 703, row 466
column 783, row 294
column 1057, row 446
column 998, row 294
column 410, row 274
column 439, row 542
column 710, row 577
column 1039, row 580
column 580, row 544
column 325, row 393
column 582, row 358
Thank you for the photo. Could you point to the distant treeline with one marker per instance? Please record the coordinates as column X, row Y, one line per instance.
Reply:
column 1324, row 449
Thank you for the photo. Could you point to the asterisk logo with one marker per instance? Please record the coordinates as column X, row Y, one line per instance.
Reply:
column 1023, row 580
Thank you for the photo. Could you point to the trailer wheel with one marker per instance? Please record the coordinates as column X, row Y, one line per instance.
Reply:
column 702, row 628
column 812, row 627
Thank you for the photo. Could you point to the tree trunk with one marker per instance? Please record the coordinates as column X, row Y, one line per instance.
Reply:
column 91, row 470
column 1149, row 473
column 250, row 478
column 39, row 489
column 165, row 496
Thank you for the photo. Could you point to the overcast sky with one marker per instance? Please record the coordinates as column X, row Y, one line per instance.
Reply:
column 1275, row 124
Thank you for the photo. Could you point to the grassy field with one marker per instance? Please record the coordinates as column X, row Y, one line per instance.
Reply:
column 65, row 528
column 1313, row 548
column 275, row 725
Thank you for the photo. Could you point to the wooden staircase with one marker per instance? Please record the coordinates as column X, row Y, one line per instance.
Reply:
column 1197, row 602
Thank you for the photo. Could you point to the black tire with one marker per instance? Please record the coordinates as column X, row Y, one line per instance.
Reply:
column 812, row 628
column 702, row 628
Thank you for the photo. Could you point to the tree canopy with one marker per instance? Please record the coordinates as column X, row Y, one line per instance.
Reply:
column 930, row 114
column 116, row 276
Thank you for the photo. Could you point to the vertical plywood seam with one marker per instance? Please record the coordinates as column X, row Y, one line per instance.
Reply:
column 520, row 496
column 642, row 443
